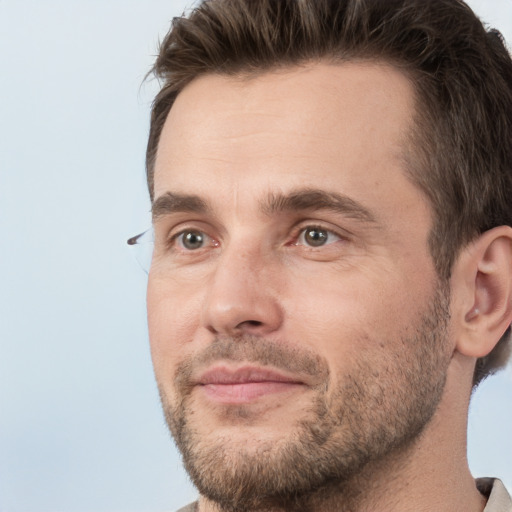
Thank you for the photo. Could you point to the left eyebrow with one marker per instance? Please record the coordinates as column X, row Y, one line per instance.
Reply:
column 317, row 199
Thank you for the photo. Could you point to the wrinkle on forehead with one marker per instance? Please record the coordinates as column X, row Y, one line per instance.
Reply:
column 263, row 98
column 335, row 127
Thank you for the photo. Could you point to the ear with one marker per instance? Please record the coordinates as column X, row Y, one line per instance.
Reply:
column 481, row 286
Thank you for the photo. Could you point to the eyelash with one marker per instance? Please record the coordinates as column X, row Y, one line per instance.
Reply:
column 298, row 233
column 175, row 239
column 304, row 229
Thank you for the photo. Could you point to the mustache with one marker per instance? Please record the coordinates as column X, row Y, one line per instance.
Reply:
column 254, row 350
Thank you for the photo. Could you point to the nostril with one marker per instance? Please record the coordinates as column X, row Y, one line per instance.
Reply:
column 249, row 323
column 245, row 325
column 235, row 314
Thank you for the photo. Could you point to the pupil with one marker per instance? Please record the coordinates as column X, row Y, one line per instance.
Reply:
column 193, row 240
column 316, row 237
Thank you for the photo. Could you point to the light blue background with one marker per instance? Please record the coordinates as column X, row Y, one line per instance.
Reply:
column 80, row 423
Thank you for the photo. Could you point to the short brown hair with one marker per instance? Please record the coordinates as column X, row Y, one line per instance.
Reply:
column 461, row 144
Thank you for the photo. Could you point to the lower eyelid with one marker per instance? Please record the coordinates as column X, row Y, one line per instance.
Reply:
column 208, row 241
column 173, row 240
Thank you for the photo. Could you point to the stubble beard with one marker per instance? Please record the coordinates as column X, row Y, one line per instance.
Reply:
column 374, row 413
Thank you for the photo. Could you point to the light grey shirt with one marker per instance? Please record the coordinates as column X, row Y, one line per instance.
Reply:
column 498, row 498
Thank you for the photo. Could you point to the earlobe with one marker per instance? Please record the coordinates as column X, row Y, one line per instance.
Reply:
column 483, row 277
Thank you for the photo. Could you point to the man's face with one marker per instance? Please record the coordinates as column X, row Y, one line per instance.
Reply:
column 297, row 326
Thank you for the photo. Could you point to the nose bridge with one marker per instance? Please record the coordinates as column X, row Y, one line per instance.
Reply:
column 240, row 293
column 236, row 270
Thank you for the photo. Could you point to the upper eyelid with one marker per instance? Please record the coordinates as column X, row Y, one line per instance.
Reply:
column 300, row 238
column 173, row 238
column 177, row 241
column 320, row 228
column 171, row 233
column 171, row 220
column 336, row 230
column 181, row 232
column 169, row 229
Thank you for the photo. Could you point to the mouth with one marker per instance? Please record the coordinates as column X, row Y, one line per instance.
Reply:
column 246, row 384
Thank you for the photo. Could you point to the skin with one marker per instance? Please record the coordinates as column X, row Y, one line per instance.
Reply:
column 235, row 144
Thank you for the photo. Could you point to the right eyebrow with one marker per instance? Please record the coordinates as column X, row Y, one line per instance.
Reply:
column 171, row 202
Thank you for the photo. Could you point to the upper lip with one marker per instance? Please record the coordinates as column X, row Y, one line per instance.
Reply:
column 221, row 374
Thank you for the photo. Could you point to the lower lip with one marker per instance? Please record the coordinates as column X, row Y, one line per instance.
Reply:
column 247, row 391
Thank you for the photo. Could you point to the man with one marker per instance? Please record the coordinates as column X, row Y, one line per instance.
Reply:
column 331, row 275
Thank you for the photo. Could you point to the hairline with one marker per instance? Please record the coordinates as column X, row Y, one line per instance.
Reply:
column 419, row 122
column 421, row 126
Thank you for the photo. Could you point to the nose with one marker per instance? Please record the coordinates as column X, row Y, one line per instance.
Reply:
column 241, row 296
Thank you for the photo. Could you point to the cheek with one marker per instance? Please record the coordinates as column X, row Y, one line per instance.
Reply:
column 344, row 314
column 172, row 320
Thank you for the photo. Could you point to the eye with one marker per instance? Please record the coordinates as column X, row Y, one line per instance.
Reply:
column 314, row 236
column 192, row 239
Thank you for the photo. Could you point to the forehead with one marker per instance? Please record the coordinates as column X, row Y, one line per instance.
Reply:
column 334, row 125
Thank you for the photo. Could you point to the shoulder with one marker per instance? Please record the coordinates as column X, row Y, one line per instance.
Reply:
column 192, row 507
column 498, row 497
